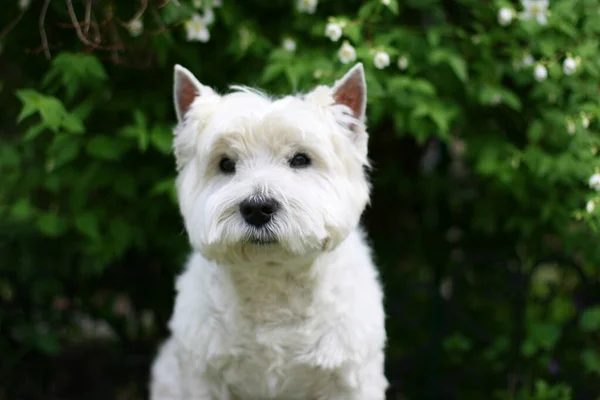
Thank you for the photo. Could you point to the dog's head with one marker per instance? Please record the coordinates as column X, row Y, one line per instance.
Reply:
column 267, row 179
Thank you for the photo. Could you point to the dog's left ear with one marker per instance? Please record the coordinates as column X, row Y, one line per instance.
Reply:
column 351, row 91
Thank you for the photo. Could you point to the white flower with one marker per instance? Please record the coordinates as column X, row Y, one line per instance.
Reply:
column 196, row 29
column 385, row 2
column 381, row 59
column 571, row 127
column 536, row 9
column 540, row 73
column 135, row 27
column 209, row 16
column 594, row 182
column 590, row 206
column 307, row 6
column 569, row 66
column 289, row 44
column 217, row 3
column 505, row 16
column 24, row 4
column 528, row 60
column 585, row 121
column 403, row 63
column 346, row 53
column 333, row 31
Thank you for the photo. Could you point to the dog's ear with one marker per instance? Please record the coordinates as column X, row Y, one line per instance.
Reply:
column 351, row 91
column 185, row 89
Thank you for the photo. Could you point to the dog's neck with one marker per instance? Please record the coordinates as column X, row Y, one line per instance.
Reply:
column 274, row 291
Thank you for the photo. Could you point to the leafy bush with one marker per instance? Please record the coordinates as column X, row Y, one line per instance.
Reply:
column 484, row 135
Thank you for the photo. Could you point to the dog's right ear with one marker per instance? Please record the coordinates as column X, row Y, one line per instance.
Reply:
column 185, row 90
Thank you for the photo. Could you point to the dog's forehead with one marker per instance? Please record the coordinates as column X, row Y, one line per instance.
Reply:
column 243, row 116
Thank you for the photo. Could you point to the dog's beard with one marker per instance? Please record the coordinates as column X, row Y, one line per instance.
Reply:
column 232, row 240
column 261, row 237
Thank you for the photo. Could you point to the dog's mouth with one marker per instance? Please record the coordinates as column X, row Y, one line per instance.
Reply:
column 262, row 238
column 262, row 241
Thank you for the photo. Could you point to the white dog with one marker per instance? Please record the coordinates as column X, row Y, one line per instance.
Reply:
column 280, row 298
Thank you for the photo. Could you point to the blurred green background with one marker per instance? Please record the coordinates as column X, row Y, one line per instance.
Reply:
column 483, row 120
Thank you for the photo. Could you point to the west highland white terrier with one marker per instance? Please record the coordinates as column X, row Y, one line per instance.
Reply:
column 280, row 298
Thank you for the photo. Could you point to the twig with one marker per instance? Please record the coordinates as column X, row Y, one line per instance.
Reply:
column 43, row 29
column 97, row 37
column 11, row 25
column 117, row 40
column 77, row 25
column 142, row 9
column 88, row 15
column 161, row 26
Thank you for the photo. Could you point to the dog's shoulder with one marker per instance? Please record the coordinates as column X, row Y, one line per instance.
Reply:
column 201, row 308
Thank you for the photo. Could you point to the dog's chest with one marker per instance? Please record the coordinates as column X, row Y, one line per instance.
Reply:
column 268, row 350
column 270, row 363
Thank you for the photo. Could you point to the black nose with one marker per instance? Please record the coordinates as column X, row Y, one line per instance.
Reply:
column 258, row 212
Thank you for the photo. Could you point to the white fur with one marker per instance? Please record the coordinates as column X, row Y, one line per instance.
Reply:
column 299, row 319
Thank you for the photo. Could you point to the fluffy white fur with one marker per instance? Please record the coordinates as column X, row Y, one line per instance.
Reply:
column 300, row 317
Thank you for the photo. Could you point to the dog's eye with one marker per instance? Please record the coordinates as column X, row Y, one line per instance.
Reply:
column 300, row 160
column 227, row 165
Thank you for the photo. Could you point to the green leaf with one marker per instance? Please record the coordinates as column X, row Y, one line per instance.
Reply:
column 9, row 155
column 75, row 71
column 121, row 234
column 457, row 342
column 393, row 6
column 22, row 209
column 48, row 343
column 51, row 109
column 34, row 131
column 63, row 150
column 367, row 9
column 87, row 223
column 162, row 139
column 104, row 148
column 535, row 131
column 52, row 112
column 125, row 186
column 591, row 360
column 73, row 124
column 544, row 335
column 51, row 225
column 459, row 66
column 354, row 32
column 590, row 319
column 138, row 130
column 456, row 62
column 30, row 99
column 165, row 186
column 272, row 72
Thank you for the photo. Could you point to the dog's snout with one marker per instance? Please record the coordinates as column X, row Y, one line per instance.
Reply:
column 258, row 212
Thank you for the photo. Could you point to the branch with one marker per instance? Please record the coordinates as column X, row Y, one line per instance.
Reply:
column 77, row 25
column 12, row 24
column 161, row 26
column 117, row 40
column 142, row 9
column 88, row 15
column 43, row 29
column 97, row 36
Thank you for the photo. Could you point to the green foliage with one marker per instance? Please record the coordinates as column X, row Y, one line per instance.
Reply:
column 484, row 136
